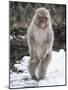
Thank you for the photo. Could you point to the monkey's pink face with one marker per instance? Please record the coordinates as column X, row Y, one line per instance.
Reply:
column 43, row 21
column 41, row 18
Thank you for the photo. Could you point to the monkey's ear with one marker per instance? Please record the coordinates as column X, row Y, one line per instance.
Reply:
column 35, row 20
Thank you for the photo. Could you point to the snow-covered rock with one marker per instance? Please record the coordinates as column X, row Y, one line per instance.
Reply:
column 55, row 73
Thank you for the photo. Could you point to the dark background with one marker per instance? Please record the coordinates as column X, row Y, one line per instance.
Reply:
column 20, row 16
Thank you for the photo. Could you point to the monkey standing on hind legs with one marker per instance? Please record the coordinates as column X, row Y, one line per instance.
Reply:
column 40, row 41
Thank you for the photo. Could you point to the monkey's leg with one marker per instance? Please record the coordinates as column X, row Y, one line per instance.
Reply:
column 43, row 67
column 40, row 71
column 32, row 68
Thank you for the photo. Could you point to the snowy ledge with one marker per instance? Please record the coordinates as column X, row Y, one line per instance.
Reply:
column 55, row 74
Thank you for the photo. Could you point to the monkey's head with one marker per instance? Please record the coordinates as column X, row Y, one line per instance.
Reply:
column 41, row 18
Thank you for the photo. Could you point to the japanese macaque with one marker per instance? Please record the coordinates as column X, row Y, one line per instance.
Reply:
column 40, row 41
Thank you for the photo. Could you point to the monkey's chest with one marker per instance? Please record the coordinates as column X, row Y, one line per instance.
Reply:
column 40, row 38
column 39, row 44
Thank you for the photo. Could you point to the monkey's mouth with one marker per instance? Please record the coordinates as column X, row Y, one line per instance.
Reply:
column 43, row 25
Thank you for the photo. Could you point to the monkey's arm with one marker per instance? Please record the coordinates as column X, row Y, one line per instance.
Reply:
column 30, row 39
column 48, row 45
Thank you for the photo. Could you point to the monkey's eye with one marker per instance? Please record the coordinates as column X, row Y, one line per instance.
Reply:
column 46, row 19
column 43, row 18
column 40, row 17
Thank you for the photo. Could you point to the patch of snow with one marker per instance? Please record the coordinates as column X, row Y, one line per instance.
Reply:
column 55, row 73
column 11, row 37
column 16, row 65
column 23, row 37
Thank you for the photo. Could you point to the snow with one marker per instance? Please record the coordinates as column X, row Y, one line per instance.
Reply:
column 23, row 37
column 55, row 75
column 11, row 37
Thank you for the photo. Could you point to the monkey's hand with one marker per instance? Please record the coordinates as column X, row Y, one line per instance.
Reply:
column 46, row 49
column 42, row 57
column 32, row 54
column 47, row 46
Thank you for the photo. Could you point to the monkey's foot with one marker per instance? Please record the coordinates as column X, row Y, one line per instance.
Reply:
column 40, row 78
column 34, row 78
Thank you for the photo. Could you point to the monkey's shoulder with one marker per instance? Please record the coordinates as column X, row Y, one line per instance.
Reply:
column 30, row 29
